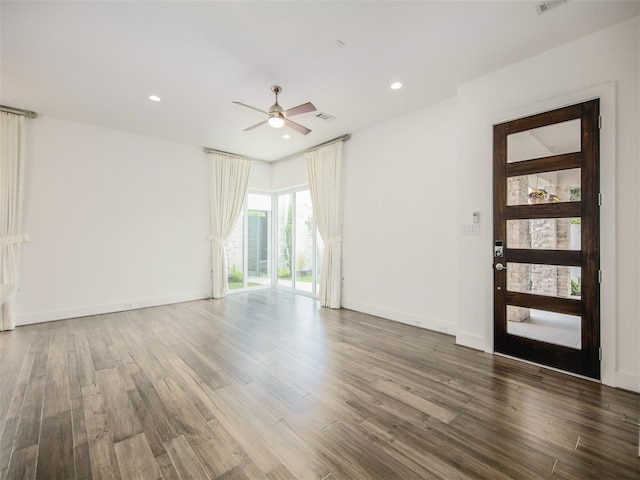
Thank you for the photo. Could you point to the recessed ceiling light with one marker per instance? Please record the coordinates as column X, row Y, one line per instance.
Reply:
column 155, row 98
column 287, row 136
column 396, row 85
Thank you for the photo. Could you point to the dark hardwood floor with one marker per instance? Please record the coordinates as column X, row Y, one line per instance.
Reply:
column 268, row 385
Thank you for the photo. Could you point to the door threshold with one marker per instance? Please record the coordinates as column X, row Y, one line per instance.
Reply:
column 571, row 374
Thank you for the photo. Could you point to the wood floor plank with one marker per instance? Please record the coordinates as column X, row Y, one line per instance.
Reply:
column 103, row 459
column 57, row 390
column 283, row 443
column 40, row 348
column 23, row 463
column 31, row 415
column 200, row 367
column 239, row 423
column 101, row 451
column 121, row 416
column 194, row 388
column 184, row 459
column 267, row 385
column 136, row 460
column 79, row 424
column 7, row 438
column 55, row 455
column 82, row 462
column 17, row 400
column 212, row 453
column 423, row 405
column 237, row 473
column 17, row 359
column 281, row 473
column 152, row 409
column 425, row 464
column 167, row 468
column 101, row 355
column 14, row 349
column 86, row 373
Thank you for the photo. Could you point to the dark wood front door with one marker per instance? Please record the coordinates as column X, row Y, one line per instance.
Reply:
column 546, row 234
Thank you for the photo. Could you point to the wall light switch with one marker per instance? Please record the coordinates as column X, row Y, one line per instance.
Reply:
column 471, row 229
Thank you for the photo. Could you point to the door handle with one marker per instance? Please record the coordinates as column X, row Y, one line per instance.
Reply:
column 500, row 267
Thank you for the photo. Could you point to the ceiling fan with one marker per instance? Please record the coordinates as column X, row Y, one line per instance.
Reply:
column 278, row 116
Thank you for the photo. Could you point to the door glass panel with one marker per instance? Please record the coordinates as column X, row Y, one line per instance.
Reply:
column 258, row 240
column 545, row 326
column 235, row 258
column 545, row 187
column 546, row 141
column 285, row 238
column 549, row 280
column 304, row 254
column 544, row 233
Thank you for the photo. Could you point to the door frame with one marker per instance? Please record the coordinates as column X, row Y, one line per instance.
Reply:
column 607, row 94
column 586, row 359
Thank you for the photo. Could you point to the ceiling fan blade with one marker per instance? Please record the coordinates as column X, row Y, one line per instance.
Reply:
column 255, row 126
column 297, row 127
column 304, row 108
column 252, row 108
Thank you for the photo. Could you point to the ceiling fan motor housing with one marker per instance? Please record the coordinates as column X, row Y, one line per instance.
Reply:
column 276, row 110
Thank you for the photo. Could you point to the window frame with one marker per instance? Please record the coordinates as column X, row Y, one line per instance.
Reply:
column 315, row 287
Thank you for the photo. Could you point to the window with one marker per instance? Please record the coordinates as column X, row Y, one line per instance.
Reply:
column 299, row 247
column 258, row 239
column 249, row 245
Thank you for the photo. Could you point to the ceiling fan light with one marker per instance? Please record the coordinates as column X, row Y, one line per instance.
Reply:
column 276, row 122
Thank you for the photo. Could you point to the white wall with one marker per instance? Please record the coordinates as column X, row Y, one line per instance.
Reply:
column 528, row 87
column 289, row 173
column 116, row 221
column 260, row 177
column 400, row 225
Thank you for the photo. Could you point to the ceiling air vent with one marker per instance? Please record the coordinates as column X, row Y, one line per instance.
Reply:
column 544, row 7
column 325, row 116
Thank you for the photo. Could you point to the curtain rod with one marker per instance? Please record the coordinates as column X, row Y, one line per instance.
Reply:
column 18, row 111
column 301, row 152
column 212, row 150
column 296, row 154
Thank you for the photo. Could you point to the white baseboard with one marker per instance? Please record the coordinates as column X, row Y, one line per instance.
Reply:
column 85, row 311
column 402, row 317
column 472, row 341
column 628, row 381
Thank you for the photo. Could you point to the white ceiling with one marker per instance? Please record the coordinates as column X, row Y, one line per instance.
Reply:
column 97, row 62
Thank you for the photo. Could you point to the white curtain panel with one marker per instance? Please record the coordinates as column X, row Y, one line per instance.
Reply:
column 326, row 181
column 11, row 185
column 228, row 179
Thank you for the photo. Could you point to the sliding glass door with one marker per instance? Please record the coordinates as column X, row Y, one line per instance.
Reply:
column 249, row 245
column 299, row 246
column 291, row 237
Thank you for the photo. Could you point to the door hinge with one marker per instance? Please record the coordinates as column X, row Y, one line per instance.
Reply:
column 599, row 122
column 600, row 353
column 599, row 199
column 599, row 276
